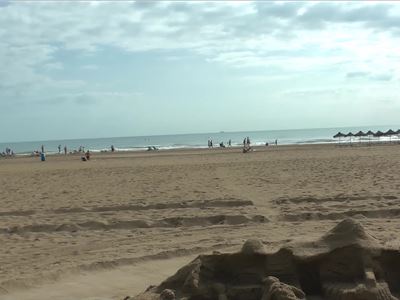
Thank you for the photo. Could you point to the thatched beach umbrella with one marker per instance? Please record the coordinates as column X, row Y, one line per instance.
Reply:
column 350, row 135
column 369, row 134
column 389, row 133
column 360, row 134
column 378, row 134
column 339, row 135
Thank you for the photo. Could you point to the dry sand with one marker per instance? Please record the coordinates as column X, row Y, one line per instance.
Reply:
column 64, row 219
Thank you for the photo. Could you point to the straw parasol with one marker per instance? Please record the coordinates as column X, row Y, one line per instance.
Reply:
column 350, row 135
column 339, row 135
column 378, row 134
column 369, row 134
column 360, row 134
column 389, row 133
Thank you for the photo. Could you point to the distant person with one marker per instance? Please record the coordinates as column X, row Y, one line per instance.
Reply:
column 222, row 145
column 266, row 144
column 59, row 149
column 112, row 148
column 246, row 145
column 247, row 148
column 65, row 150
column 87, row 155
column 276, row 142
column 229, row 143
column 42, row 156
column 42, row 148
column 211, row 143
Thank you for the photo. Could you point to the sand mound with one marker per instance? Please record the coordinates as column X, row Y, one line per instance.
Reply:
column 253, row 246
column 349, row 232
column 352, row 266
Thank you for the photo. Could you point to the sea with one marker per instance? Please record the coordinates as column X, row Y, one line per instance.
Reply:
column 199, row 140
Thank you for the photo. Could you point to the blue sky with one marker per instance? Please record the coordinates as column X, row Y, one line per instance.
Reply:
column 99, row 69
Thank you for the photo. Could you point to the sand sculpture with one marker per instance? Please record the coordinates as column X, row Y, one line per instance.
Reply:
column 345, row 264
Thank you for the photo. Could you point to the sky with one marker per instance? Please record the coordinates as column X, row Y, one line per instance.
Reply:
column 103, row 69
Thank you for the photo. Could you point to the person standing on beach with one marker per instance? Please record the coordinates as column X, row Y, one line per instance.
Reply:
column 65, row 150
column 59, row 149
column 276, row 142
column 112, row 148
column 42, row 148
column 229, row 143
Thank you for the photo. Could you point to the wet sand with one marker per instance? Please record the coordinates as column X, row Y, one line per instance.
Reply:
column 64, row 217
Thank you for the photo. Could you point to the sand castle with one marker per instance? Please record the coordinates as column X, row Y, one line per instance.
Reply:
column 344, row 264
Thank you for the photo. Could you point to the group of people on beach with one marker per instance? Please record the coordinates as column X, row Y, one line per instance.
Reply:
column 221, row 144
column 246, row 144
column 42, row 152
column 7, row 153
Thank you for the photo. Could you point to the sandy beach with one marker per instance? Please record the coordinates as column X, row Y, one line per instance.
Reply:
column 145, row 214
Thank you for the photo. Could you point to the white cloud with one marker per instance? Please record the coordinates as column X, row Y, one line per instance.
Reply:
column 90, row 67
column 286, row 36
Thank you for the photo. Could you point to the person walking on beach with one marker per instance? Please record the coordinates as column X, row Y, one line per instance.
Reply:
column 59, row 149
column 276, row 142
column 65, row 150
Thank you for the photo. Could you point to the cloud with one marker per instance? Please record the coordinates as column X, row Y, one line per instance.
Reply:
column 386, row 76
column 315, row 93
column 90, row 98
column 90, row 67
column 356, row 74
column 286, row 37
column 382, row 77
